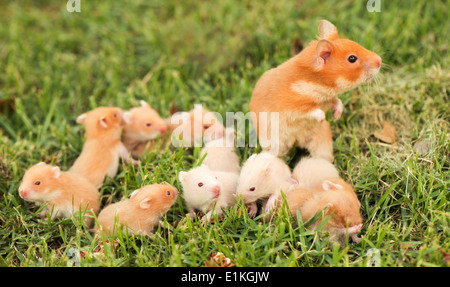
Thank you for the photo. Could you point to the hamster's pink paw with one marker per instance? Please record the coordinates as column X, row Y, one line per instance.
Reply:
column 252, row 209
column 271, row 202
column 338, row 108
column 355, row 238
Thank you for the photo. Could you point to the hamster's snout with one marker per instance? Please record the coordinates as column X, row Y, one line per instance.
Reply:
column 23, row 193
column 375, row 63
column 162, row 130
column 216, row 191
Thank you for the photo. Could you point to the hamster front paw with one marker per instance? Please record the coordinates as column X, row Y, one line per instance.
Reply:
column 338, row 107
column 252, row 209
column 318, row 114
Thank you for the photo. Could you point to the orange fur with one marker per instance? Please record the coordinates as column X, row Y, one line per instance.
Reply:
column 141, row 212
column 141, row 128
column 64, row 192
column 308, row 81
column 341, row 201
column 103, row 148
column 207, row 125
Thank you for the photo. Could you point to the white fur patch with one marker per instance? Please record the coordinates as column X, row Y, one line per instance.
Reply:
column 318, row 114
column 324, row 93
column 307, row 88
column 328, row 185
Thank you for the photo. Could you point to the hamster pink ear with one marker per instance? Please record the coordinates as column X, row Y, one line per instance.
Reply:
column 327, row 30
column 103, row 122
column 81, row 118
column 292, row 180
column 56, row 172
column 328, row 185
column 126, row 117
column 144, row 103
column 41, row 163
column 145, row 203
column 324, row 50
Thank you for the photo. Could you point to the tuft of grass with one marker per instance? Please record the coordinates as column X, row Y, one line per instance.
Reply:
column 56, row 65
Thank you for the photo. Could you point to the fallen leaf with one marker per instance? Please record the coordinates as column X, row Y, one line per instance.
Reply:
column 422, row 147
column 406, row 246
column 218, row 259
column 388, row 134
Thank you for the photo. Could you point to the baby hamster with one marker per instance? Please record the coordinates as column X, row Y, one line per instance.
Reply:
column 207, row 190
column 102, row 148
column 263, row 176
column 194, row 125
column 142, row 126
column 64, row 192
column 341, row 201
column 140, row 213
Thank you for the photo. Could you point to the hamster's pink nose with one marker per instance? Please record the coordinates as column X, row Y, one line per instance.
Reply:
column 219, row 133
column 23, row 193
column 216, row 190
column 162, row 130
column 377, row 61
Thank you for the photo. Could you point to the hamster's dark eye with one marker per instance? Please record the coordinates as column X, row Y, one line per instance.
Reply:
column 200, row 184
column 37, row 182
column 167, row 192
column 205, row 127
column 148, row 124
column 352, row 59
column 115, row 115
column 252, row 188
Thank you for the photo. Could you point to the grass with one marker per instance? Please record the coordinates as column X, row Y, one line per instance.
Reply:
column 56, row 65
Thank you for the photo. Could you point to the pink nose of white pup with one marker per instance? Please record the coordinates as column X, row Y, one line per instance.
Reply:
column 216, row 191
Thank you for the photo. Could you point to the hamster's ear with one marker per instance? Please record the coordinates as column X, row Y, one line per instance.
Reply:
column 81, row 118
column 145, row 203
column 126, row 117
column 328, row 185
column 56, row 172
column 103, row 122
column 182, row 176
column 133, row 194
column 292, row 180
column 327, row 30
column 324, row 49
column 41, row 163
column 144, row 103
